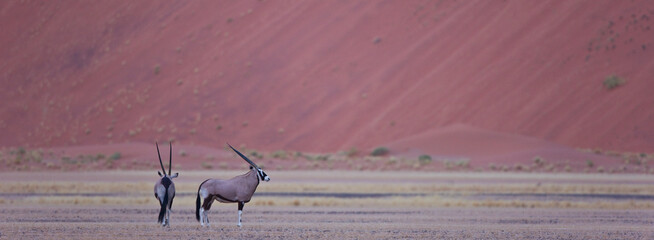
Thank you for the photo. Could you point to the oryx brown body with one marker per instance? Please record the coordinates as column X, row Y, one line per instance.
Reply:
column 238, row 189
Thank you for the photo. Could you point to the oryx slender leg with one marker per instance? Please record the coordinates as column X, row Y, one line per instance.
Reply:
column 202, row 216
column 206, row 217
column 240, row 211
column 168, row 217
column 204, row 209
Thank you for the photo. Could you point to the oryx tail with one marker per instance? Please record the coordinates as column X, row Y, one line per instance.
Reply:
column 197, row 202
column 166, row 182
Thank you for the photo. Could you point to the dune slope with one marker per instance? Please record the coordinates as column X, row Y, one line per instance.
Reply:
column 325, row 75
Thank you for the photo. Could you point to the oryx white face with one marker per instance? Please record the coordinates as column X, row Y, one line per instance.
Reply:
column 263, row 175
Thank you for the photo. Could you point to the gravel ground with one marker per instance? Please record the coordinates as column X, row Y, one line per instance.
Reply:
column 268, row 222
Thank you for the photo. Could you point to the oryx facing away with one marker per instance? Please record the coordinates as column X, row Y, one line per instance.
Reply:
column 164, row 189
column 238, row 189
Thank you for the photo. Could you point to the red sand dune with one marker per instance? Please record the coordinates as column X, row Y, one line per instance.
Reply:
column 329, row 75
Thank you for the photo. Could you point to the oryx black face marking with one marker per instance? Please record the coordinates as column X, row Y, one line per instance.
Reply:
column 239, row 190
column 164, row 189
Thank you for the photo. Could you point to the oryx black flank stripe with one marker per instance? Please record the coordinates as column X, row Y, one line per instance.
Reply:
column 221, row 197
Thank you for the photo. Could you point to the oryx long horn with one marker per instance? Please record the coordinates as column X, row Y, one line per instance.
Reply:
column 243, row 156
column 170, row 162
column 162, row 167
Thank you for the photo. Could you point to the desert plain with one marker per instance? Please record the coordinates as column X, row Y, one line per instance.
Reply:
column 336, row 204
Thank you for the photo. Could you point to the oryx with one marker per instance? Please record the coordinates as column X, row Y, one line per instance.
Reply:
column 164, row 189
column 239, row 190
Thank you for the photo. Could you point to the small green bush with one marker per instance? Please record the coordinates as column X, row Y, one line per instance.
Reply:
column 255, row 154
column 424, row 159
column 207, row 165
column 116, row 156
column 613, row 81
column 380, row 151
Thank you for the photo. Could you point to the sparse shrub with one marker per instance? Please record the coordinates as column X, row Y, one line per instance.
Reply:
column 222, row 165
column 256, row 154
column 518, row 167
column 115, row 156
column 183, row 153
column 380, row 151
column 109, row 162
column 492, row 166
column 424, row 159
column 600, row 169
column 589, row 163
column 539, row 161
column 448, row 164
column 392, row 160
column 352, row 152
column 549, row 167
column 206, row 165
column 157, row 69
column 613, row 81
column 21, row 151
column 36, row 156
column 463, row 163
column 280, row 154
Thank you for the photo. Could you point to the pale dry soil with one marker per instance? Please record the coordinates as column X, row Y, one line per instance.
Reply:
column 128, row 222
column 334, row 205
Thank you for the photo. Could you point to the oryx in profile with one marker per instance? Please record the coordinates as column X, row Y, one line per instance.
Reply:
column 164, row 189
column 239, row 190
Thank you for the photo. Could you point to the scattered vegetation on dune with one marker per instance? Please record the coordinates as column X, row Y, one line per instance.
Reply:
column 380, row 151
column 380, row 159
column 613, row 81
column 424, row 159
